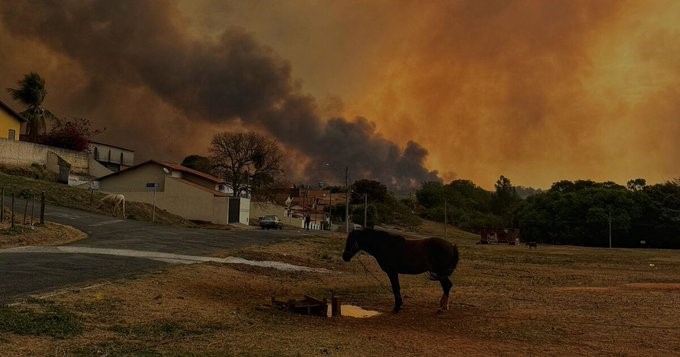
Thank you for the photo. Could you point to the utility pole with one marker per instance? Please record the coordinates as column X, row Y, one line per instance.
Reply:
column 445, row 222
column 365, row 208
column 347, row 199
column 610, row 229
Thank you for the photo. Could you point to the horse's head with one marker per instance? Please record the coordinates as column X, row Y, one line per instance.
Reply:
column 351, row 246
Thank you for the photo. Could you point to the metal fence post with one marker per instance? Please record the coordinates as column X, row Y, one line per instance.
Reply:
column 12, row 219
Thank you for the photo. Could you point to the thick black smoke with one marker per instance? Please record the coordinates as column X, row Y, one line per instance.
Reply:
column 232, row 78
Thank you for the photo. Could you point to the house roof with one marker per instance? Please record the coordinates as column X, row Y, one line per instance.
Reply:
column 181, row 168
column 11, row 111
column 169, row 166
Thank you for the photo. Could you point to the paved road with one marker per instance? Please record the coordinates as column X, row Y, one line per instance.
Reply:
column 24, row 272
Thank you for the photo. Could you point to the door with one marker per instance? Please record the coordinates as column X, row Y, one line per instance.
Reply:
column 234, row 209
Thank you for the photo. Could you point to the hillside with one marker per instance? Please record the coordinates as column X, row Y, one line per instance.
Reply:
column 65, row 196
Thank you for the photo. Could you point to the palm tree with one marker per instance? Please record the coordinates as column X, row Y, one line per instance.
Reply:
column 31, row 93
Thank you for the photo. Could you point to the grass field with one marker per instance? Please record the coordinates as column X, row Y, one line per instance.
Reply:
column 506, row 301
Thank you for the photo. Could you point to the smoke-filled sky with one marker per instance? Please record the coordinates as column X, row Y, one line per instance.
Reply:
column 400, row 91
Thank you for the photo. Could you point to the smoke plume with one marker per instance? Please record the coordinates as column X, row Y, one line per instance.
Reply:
column 128, row 45
column 535, row 90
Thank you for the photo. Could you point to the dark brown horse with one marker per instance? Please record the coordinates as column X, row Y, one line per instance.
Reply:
column 398, row 255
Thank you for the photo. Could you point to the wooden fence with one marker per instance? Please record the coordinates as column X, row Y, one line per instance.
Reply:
column 30, row 210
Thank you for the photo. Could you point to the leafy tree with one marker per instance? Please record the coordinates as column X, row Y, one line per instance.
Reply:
column 636, row 184
column 430, row 194
column 468, row 206
column 71, row 134
column 198, row 162
column 505, row 196
column 524, row 192
column 371, row 215
column 581, row 214
column 246, row 161
column 31, row 93
column 376, row 191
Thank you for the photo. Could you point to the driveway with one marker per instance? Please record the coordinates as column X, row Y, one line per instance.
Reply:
column 114, row 248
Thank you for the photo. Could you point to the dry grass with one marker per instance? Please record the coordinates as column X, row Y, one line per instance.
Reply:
column 72, row 197
column 48, row 234
column 506, row 301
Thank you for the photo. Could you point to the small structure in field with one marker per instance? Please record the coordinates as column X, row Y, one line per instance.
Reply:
column 307, row 306
column 499, row 236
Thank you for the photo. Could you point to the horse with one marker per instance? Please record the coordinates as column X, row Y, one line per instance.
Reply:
column 398, row 255
column 116, row 201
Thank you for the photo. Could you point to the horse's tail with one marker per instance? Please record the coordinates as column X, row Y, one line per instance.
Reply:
column 453, row 263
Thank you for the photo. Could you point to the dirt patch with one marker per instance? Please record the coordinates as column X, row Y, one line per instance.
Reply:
column 49, row 234
column 506, row 301
column 592, row 289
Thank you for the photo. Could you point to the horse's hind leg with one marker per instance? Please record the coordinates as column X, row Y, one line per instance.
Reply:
column 396, row 290
column 446, row 287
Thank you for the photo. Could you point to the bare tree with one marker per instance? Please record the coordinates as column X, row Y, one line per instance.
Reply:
column 245, row 160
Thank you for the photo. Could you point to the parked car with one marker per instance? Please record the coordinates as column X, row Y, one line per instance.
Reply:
column 270, row 221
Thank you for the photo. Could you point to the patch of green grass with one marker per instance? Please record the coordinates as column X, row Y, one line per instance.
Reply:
column 48, row 320
column 16, row 231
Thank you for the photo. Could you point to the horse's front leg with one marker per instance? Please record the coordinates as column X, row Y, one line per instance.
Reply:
column 446, row 287
column 396, row 290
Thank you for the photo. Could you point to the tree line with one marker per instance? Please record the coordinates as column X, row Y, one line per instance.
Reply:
column 581, row 212
column 570, row 212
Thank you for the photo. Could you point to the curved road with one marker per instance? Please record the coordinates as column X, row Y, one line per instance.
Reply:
column 39, row 270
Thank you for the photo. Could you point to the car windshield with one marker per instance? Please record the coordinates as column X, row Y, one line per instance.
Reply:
column 270, row 218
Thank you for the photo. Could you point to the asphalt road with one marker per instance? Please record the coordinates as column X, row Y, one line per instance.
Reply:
column 28, row 273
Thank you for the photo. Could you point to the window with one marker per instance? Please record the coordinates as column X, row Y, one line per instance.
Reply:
column 121, row 158
column 96, row 153
column 12, row 135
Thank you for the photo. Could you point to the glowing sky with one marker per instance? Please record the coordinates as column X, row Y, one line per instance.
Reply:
column 537, row 91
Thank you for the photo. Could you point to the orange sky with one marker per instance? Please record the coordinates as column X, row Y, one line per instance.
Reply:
column 537, row 91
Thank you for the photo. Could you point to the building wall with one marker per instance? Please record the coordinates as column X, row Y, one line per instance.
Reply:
column 220, row 210
column 244, row 215
column 135, row 180
column 111, row 154
column 193, row 203
column 7, row 122
column 97, row 169
column 173, row 195
column 21, row 153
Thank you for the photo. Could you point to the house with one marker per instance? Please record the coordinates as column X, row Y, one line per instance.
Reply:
column 114, row 158
column 10, row 122
column 191, row 194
